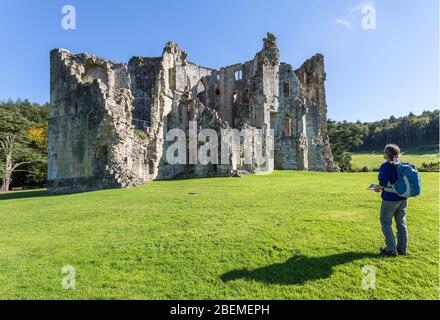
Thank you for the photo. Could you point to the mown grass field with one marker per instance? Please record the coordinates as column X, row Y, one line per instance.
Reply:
column 414, row 156
column 289, row 235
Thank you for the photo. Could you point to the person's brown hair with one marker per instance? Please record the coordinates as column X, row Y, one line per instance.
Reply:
column 392, row 150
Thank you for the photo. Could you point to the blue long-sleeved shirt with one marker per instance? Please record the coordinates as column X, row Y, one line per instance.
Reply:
column 387, row 173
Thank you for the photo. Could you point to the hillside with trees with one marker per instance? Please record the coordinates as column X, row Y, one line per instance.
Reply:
column 409, row 132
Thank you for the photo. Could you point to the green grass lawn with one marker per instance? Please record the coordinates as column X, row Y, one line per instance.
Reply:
column 374, row 160
column 290, row 235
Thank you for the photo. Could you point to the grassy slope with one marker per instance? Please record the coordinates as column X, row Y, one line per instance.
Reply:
column 291, row 235
column 373, row 160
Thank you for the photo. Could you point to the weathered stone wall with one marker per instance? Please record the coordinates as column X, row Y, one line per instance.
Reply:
column 288, row 122
column 212, row 98
column 109, row 121
column 312, row 78
column 92, row 144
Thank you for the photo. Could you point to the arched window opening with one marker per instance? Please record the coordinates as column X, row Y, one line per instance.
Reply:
column 200, row 87
column 188, row 84
column 172, row 78
column 287, row 127
column 287, row 89
column 201, row 92
column 239, row 75
column 246, row 96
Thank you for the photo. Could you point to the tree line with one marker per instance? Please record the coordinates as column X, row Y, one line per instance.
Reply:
column 408, row 132
column 23, row 144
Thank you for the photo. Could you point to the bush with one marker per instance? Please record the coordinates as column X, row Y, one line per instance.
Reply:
column 430, row 167
column 343, row 160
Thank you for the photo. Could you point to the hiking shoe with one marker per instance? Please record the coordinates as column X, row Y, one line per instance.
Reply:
column 401, row 253
column 387, row 253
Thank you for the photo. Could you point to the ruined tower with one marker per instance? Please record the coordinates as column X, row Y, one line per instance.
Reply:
column 108, row 121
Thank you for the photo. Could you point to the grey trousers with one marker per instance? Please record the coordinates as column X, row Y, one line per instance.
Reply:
column 396, row 209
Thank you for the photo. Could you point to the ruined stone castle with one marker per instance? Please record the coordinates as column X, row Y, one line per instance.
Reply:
column 109, row 120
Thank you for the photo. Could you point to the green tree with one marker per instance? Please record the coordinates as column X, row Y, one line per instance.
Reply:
column 8, row 145
column 345, row 136
column 26, row 123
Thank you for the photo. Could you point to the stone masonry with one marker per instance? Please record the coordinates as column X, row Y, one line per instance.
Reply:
column 109, row 120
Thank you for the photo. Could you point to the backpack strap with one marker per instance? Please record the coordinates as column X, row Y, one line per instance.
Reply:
column 390, row 187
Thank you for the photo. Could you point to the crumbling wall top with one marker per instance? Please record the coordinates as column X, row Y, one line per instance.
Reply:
column 312, row 71
column 270, row 52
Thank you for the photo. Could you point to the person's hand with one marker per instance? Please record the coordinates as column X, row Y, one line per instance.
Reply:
column 378, row 188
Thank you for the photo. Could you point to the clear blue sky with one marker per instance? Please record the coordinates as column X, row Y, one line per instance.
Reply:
column 371, row 74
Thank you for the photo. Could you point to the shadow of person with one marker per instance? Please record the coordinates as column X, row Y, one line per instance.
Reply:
column 296, row 270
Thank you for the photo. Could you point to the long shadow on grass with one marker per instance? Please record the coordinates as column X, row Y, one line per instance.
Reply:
column 296, row 270
column 24, row 194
